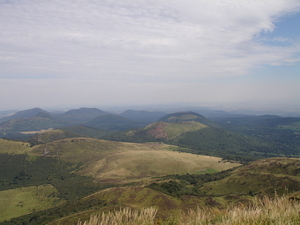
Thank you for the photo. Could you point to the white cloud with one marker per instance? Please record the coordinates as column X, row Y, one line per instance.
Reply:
column 139, row 41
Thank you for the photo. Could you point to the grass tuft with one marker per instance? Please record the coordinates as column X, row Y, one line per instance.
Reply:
column 125, row 216
column 266, row 210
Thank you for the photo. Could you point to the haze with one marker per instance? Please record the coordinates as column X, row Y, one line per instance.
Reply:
column 90, row 53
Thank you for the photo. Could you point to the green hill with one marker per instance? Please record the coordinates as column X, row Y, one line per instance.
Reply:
column 86, row 131
column 77, row 167
column 13, row 147
column 263, row 177
column 39, row 122
column 25, row 200
column 81, row 115
column 158, row 131
column 201, row 139
column 79, row 177
column 231, row 145
column 112, row 162
column 23, row 114
column 179, row 117
column 113, row 122
column 214, row 195
column 50, row 135
column 283, row 132
column 170, row 131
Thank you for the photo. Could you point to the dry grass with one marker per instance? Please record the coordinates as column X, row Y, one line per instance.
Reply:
column 139, row 163
column 279, row 211
column 125, row 216
column 14, row 147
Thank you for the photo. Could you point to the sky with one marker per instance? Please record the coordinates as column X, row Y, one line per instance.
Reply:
column 86, row 53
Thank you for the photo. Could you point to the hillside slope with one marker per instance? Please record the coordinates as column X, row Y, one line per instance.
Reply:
column 51, row 135
column 267, row 176
column 202, row 139
column 41, row 121
column 109, row 161
column 223, row 194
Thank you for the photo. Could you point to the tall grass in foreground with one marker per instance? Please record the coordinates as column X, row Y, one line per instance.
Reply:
column 279, row 211
column 125, row 216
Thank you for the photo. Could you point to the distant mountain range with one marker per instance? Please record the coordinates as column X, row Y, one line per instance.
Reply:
column 143, row 116
column 247, row 137
column 37, row 119
column 82, row 115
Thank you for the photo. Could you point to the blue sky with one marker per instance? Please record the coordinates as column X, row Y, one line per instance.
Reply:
column 75, row 53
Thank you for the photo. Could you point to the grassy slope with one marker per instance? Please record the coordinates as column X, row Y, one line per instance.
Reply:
column 260, row 177
column 201, row 139
column 187, row 116
column 21, row 201
column 51, row 135
column 85, row 131
column 118, row 161
column 280, row 211
column 230, row 191
column 174, row 130
column 134, row 197
column 225, row 143
column 14, row 147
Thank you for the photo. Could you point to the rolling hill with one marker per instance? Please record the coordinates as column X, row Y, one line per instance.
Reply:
column 76, row 167
column 64, row 177
column 23, row 114
column 86, row 131
column 41, row 121
column 262, row 177
column 109, row 161
column 198, row 138
column 216, row 192
column 179, row 117
column 82, row 115
column 113, row 122
column 48, row 136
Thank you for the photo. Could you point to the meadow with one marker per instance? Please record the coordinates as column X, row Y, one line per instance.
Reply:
column 20, row 201
column 115, row 162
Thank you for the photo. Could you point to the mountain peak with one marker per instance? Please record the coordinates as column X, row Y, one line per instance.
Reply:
column 179, row 117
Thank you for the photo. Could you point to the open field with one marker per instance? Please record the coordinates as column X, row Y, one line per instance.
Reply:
column 293, row 126
column 21, row 201
column 109, row 161
column 35, row 131
column 139, row 164
column 14, row 147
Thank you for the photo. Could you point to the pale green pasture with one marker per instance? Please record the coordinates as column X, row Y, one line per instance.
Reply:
column 14, row 147
column 22, row 201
